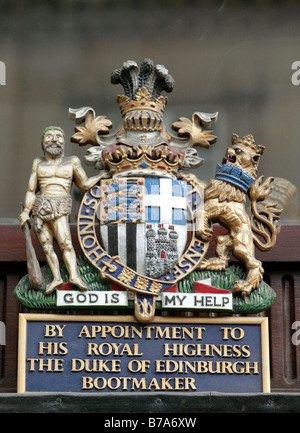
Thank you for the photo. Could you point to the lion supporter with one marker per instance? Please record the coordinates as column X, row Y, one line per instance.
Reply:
column 49, row 201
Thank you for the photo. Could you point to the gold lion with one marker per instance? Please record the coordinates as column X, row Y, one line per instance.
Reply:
column 225, row 203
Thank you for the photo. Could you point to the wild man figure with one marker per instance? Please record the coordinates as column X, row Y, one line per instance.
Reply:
column 49, row 201
column 225, row 198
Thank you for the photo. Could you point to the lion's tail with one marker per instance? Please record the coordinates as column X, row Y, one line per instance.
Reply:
column 265, row 215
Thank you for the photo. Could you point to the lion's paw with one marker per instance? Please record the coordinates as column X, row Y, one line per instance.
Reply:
column 242, row 286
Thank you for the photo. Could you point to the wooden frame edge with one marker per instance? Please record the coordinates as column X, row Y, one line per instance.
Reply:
column 21, row 379
column 157, row 319
column 265, row 355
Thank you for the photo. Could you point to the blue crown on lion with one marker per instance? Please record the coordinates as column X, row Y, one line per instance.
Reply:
column 234, row 175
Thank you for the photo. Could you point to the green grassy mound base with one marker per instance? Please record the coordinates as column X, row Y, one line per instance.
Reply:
column 259, row 300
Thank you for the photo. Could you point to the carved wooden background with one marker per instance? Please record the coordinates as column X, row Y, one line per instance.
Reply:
column 282, row 272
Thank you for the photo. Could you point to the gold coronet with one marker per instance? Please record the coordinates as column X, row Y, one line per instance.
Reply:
column 161, row 158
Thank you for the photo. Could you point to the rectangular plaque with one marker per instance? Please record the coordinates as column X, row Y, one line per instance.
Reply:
column 65, row 353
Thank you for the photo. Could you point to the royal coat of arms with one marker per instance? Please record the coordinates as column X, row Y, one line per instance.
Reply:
column 138, row 225
column 144, row 224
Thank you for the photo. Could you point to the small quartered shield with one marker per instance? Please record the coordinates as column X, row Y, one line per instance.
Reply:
column 144, row 222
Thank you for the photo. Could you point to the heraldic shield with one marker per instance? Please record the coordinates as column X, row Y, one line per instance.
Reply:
column 144, row 222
